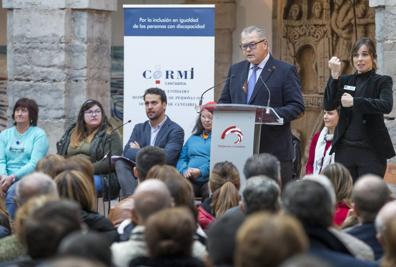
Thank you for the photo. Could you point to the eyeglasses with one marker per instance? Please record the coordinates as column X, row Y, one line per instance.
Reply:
column 251, row 46
column 93, row 112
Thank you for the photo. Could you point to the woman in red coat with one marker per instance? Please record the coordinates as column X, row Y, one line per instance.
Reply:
column 320, row 147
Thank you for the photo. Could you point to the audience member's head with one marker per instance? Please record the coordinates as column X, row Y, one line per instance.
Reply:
column 89, row 245
column 224, row 182
column 389, row 243
column 369, row 195
column 325, row 182
column 261, row 194
column 179, row 187
column 305, row 260
column 169, row 233
column 35, row 184
column 25, row 211
column 150, row 196
column 268, row 240
column 341, row 179
column 48, row 225
column 80, row 163
column 51, row 165
column 309, row 202
column 146, row 158
column 263, row 164
column 75, row 185
column 71, row 261
column 385, row 215
column 221, row 240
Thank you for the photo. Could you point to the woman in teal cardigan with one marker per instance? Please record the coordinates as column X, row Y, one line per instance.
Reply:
column 21, row 147
column 194, row 158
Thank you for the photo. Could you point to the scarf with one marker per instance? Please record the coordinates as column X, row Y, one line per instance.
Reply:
column 322, row 157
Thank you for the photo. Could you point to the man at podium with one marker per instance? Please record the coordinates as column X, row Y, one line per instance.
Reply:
column 262, row 80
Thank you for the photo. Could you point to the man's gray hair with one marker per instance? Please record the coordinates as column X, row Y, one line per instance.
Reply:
column 35, row 184
column 261, row 194
column 254, row 29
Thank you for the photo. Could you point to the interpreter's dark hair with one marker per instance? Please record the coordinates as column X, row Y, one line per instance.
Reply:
column 169, row 233
column 156, row 91
column 148, row 157
column 371, row 49
column 308, row 201
column 224, row 183
column 32, row 108
column 262, row 164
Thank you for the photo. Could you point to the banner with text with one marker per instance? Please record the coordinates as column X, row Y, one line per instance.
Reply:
column 170, row 47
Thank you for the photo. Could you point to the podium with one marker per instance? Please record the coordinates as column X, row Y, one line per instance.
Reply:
column 236, row 131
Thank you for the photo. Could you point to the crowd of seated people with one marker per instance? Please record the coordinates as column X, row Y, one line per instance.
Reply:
column 173, row 210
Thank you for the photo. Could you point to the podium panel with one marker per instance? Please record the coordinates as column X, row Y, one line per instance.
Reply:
column 232, row 138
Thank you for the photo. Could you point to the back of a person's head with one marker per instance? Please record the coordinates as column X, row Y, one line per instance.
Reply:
column 221, row 239
column 369, row 195
column 48, row 225
column 150, row 196
column 179, row 187
column 51, row 165
column 80, row 163
column 385, row 215
column 262, row 164
column 389, row 244
column 75, row 185
column 169, row 233
column 148, row 157
column 305, row 260
column 268, row 240
column 341, row 179
column 35, row 184
column 261, row 194
column 70, row 261
column 25, row 211
column 224, row 182
column 309, row 202
column 87, row 245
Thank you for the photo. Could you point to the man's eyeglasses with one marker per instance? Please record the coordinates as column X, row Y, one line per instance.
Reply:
column 251, row 46
column 93, row 112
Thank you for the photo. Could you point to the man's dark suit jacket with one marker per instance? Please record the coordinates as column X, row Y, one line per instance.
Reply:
column 286, row 98
column 170, row 138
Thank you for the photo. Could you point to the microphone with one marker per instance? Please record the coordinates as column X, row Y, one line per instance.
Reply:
column 213, row 87
column 269, row 94
column 108, row 138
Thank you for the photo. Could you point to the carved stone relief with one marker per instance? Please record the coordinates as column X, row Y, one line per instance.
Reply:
column 310, row 32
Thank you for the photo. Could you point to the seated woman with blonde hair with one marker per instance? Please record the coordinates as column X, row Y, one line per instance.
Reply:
column 224, row 182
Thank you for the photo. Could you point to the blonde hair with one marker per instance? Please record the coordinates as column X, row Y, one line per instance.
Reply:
column 389, row 233
column 76, row 186
column 342, row 181
column 267, row 240
column 224, row 182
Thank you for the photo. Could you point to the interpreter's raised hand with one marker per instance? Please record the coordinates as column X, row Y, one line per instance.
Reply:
column 346, row 100
column 335, row 67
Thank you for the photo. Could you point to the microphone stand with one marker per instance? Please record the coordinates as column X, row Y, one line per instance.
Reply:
column 214, row 86
column 109, row 154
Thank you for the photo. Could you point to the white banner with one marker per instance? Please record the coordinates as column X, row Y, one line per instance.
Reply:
column 170, row 47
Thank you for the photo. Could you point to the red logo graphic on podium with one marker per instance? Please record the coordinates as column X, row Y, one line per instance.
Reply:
column 233, row 130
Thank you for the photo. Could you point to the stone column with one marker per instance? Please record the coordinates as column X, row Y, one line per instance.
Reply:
column 58, row 53
column 385, row 33
column 225, row 26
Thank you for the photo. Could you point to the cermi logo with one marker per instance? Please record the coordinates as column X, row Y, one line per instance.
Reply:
column 171, row 74
column 235, row 131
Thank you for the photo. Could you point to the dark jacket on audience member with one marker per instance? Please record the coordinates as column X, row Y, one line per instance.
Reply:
column 367, row 233
column 166, row 262
column 98, row 223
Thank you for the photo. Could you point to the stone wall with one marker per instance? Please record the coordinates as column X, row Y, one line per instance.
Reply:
column 59, row 54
